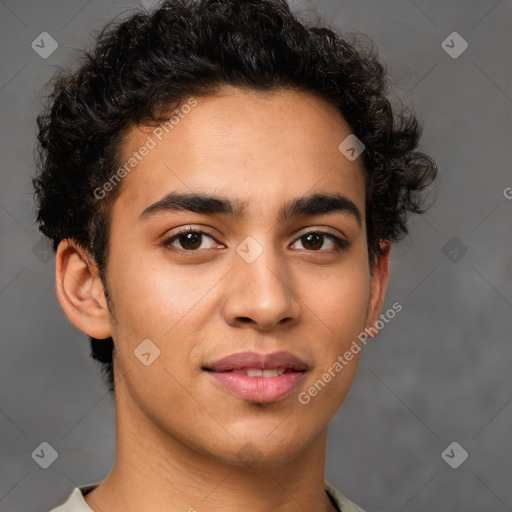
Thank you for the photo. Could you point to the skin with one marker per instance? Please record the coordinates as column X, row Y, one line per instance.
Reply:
column 179, row 437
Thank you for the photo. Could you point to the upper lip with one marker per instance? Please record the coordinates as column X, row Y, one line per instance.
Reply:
column 243, row 360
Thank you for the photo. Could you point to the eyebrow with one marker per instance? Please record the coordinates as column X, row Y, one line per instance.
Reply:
column 313, row 204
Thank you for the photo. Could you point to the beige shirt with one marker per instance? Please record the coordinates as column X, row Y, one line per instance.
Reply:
column 76, row 502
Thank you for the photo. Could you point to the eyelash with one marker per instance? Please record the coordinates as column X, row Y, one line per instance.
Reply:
column 340, row 243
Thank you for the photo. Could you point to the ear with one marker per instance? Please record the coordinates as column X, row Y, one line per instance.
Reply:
column 378, row 286
column 80, row 291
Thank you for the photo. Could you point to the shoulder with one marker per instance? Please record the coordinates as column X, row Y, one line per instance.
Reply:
column 344, row 504
column 75, row 501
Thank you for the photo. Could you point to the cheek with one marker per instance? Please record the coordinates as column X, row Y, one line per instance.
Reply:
column 168, row 305
column 153, row 303
column 338, row 304
column 152, row 297
column 340, row 299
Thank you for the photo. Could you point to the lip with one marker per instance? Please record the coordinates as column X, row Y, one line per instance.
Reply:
column 258, row 389
column 243, row 360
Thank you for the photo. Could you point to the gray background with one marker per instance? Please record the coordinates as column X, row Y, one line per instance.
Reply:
column 439, row 372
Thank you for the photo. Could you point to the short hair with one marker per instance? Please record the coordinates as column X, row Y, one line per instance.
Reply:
column 147, row 64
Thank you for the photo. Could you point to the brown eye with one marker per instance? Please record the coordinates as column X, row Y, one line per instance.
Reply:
column 314, row 241
column 189, row 240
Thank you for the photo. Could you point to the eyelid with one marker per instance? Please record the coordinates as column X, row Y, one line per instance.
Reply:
column 190, row 228
column 323, row 231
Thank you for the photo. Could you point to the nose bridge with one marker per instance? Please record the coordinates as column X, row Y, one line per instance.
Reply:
column 267, row 271
column 261, row 285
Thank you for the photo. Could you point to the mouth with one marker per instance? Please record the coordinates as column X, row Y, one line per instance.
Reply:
column 257, row 377
column 259, row 372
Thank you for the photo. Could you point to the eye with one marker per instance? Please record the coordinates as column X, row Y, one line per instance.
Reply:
column 315, row 239
column 189, row 239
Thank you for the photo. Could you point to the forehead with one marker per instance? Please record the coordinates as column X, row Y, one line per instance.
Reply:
column 245, row 144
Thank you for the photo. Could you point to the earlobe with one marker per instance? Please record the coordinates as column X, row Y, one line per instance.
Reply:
column 80, row 291
column 378, row 286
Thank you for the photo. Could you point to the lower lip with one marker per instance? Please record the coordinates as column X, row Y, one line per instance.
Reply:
column 258, row 389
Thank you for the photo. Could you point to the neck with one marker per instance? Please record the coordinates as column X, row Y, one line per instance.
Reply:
column 158, row 471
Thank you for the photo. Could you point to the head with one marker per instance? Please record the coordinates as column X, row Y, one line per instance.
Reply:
column 241, row 102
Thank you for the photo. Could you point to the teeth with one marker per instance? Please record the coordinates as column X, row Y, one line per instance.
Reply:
column 257, row 372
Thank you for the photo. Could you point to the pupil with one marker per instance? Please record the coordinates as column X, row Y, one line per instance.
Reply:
column 314, row 235
column 191, row 239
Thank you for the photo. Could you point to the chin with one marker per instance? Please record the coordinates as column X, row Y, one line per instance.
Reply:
column 261, row 451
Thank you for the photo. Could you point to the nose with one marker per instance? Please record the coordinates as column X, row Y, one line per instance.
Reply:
column 261, row 293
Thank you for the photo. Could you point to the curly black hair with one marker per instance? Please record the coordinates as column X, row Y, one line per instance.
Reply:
column 144, row 66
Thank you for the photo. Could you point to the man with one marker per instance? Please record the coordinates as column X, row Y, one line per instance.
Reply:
column 222, row 185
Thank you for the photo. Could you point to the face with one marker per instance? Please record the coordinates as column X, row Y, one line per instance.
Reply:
column 253, row 276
